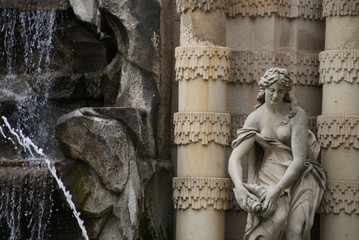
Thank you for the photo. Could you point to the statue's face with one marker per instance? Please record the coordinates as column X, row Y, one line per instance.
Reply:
column 275, row 93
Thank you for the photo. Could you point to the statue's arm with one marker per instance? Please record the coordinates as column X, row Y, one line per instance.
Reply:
column 235, row 168
column 299, row 143
column 236, row 159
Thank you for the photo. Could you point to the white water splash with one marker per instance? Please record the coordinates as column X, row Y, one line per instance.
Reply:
column 29, row 146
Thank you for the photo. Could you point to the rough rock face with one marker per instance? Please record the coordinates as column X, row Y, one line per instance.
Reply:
column 113, row 169
column 116, row 190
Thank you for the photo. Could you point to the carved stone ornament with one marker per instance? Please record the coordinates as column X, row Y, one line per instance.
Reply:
column 310, row 9
column 200, row 193
column 340, row 8
column 248, row 67
column 341, row 197
column 205, row 127
column 204, row 5
column 338, row 66
column 206, row 62
column 336, row 131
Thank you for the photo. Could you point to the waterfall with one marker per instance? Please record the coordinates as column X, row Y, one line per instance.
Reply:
column 26, row 194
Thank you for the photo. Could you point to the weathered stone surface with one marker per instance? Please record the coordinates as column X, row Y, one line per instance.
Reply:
column 99, row 146
column 119, row 195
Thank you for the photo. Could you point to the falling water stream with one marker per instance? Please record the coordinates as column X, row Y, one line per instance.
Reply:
column 26, row 39
column 32, row 149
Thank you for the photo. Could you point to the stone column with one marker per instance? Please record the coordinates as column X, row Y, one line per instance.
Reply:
column 338, row 126
column 202, row 124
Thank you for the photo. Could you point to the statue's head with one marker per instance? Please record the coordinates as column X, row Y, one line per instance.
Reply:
column 271, row 76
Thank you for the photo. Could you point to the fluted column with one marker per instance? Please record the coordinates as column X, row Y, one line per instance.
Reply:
column 202, row 125
column 338, row 126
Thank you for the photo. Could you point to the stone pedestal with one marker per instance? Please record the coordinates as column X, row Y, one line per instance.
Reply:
column 338, row 126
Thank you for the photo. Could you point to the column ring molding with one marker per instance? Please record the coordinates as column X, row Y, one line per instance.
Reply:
column 202, row 62
column 341, row 197
column 336, row 131
column 204, row 127
column 200, row 193
column 338, row 66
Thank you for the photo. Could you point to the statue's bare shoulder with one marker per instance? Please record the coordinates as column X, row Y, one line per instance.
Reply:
column 300, row 118
column 253, row 119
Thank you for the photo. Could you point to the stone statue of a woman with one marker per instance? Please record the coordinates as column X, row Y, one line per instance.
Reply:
column 285, row 183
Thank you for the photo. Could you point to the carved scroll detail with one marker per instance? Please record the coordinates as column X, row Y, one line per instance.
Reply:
column 204, row 5
column 310, row 9
column 206, row 62
column 341, row 197
column 339, row 65
column 340, row 8
column 200, row 193
column 248, row 67
column 191, row 127
column 336, row 131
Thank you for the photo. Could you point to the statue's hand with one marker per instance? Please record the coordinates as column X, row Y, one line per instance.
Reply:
column 242, row 195
column 269, row 201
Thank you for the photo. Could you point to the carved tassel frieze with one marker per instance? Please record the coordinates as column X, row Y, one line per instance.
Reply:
column 205, row 127
column 200, row 193
column 335, row 131
column 204, row 5
column 338, row 66
column 205, row 62
column 341, row 197
column 249, row 67
column 340, row 8
column 309, row 9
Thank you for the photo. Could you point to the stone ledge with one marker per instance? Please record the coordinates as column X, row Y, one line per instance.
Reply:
column 206, row 62
column 336, row 131
column 205, row 127
column 200, row 193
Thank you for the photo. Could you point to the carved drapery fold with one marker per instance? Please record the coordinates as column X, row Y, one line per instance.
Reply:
column 338, row 130
column 237, row 122
column 340, row 8
column 341, row 197
column 206, row 62
column 249, row 67
column 204, row 5
column 339, row 65
column 205, row 127
column 32, row 5
column 201, row 192
column 309, row 9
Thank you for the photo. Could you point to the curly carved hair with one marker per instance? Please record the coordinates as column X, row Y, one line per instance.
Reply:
column 271, row 76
